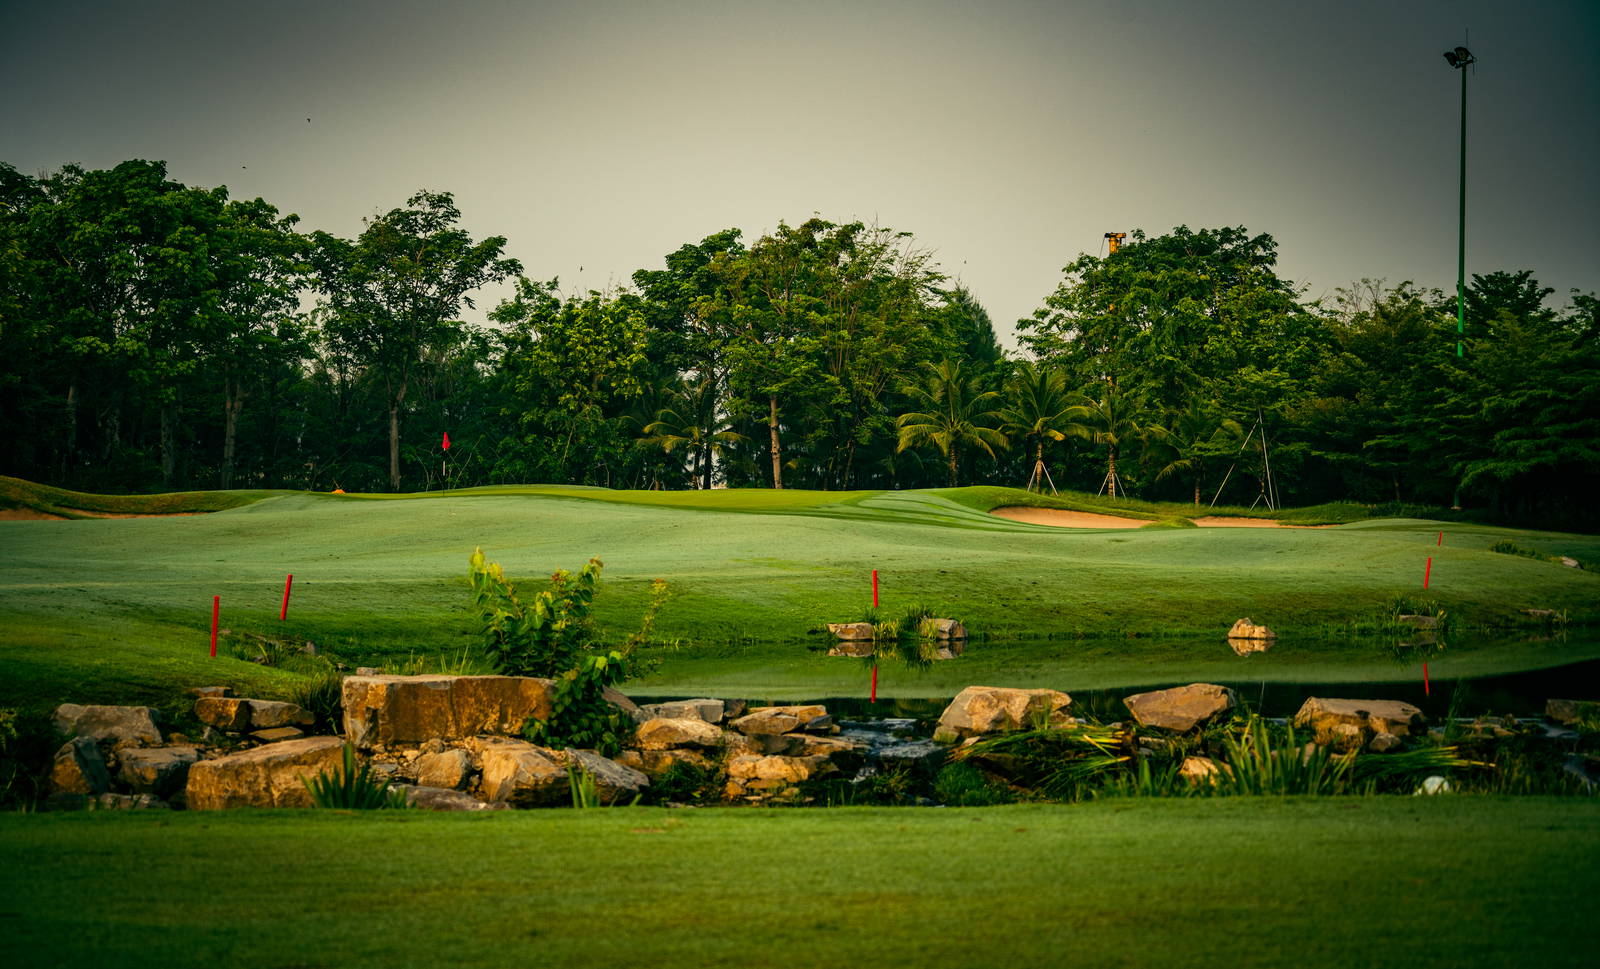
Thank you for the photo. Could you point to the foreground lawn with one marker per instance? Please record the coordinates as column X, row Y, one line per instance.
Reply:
column 119, row 609
column 1337, row 882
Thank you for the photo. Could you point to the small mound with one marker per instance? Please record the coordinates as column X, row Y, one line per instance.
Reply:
column 1061, row 518
column 1227, row 521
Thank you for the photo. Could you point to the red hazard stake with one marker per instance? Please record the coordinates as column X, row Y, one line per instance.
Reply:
column 287, row 582
column 1427, row 571
column 1441, row 539
column 874, row 683
column 1426, row 691
column 216, row 610
column 874, row 588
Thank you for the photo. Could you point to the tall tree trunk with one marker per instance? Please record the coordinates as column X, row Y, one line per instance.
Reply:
column 1037, row 478
column 1197, row 492
column 70, row 448
column 952, row 455
column 169, row 442
column 777, row 454
column 1111, row 475
column 394, row 436
column 232, row 403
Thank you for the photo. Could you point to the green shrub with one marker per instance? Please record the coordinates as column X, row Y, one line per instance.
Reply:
column 962, row 785
column 685, row 783
column 27, row 741
column 353, row 788
column 1257, row 765
column 322, row 696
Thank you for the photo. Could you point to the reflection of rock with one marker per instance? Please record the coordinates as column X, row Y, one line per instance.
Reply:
column 852, row 648
column 1246, row 629
column 1417, row 622
column 1244, row 646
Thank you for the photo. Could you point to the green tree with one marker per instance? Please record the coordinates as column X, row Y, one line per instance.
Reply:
column 1193, row 441
column 1038, row 409
column 957, row 414
column 1114, row 422
column 396, row 289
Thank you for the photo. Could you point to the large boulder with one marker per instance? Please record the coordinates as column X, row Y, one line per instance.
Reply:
column 1246, row 629
column 1348, row 724
column 79, row 768
column 523, row 775
column 391, row 710
column 162, row 771
column 941, row 629
column 111, row 726
column 662, row 733
column 777, row 771
column 979, row 710
column 616, row 783
column 1182, row 708
column 654, row 763
column 851, row 631
column 273, row 775
column 769, row 720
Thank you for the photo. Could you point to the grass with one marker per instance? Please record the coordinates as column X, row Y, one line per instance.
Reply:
column 1238, row 882
column 119, row 610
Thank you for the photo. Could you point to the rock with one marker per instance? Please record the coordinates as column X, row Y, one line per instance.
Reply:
column 767, row 720
column 274, row 734
column 803, row 713
column 616, row 698
column 654, row 763
column 273, row 775
column 79, row 768
column 819, row 725
column 1383, row 742
column 161, row 771
column 211, row 691
column 616, row 783
column 851, row 631
column 979, row 710
column 1246, row 629
column 1571, row 711
column 1343, row 736
column 523, row 775
column 778, row 744
column 390, row 710
column 846, row 754
column 943, row 629
column 445, row 799
column 1417, row 622
column 113, row 726
column 1366, row 717
column 711, row 711
column 266, row 714
column 1570, row 562
column 448, row 769
column 1496, row 727
column 223, row 713
column 1202, row 770
column 369, row 671
column 128, row 802
column 1182, row 708
column 787, row 770
column 1434, row 785
column 923, row 756
column 662, row 733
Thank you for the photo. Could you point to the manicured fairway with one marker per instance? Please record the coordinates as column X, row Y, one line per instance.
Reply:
column 119, row 608
column 1406, row 882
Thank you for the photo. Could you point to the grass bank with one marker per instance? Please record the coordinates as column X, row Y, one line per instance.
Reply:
column 1407, row 882
column 119, row 609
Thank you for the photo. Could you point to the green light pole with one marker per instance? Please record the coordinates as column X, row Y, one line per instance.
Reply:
column 1459, row 59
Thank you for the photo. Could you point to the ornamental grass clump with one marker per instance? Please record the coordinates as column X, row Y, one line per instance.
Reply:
column 353, row 788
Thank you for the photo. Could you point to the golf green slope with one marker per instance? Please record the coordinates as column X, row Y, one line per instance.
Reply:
column 120, row 608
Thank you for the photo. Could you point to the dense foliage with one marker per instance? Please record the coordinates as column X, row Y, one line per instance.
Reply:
column 155, row 335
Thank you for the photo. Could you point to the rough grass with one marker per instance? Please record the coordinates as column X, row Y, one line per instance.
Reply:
column 1451, row 882
column 107, row 609
column 17, row 493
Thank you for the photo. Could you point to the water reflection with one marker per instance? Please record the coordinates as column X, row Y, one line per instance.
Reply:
column 1245, row 647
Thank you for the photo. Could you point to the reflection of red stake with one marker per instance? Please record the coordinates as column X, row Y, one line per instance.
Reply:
column 216, row 609
column 1441, row 539
column 284, row 614
column 874, row 588
column 874, row 683
column 1427, row 571
column 1426, row 691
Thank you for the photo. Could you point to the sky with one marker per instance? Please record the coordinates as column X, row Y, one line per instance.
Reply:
column 1007, row 136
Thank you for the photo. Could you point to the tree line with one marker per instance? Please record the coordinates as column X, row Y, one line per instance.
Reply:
column 155, row 335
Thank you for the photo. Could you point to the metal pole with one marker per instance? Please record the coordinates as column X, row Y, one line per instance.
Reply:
column 1461, row 249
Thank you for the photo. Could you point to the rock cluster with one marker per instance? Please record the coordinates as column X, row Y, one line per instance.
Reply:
column 116, row 758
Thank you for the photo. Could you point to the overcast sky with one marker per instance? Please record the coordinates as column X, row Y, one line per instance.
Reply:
column 1008, row 136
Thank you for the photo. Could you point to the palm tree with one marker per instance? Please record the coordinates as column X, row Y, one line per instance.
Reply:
column 683, row 423
column 958, row 414
column 1111, row 422
column 1040, row 409
column 1193, row 438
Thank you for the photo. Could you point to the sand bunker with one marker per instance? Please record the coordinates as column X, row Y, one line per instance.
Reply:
column 1225, row 521
column 1062, row 518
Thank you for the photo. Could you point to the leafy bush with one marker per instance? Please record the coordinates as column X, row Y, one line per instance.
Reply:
column 353, row 788
column 549, row 637
column 1257, row 765
column 1508, row 547
column 27, row 741
column 685, row 783
column 322, row 696
column 1065, row 764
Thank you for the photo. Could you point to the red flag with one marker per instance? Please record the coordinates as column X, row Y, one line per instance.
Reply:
column 446, row 444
